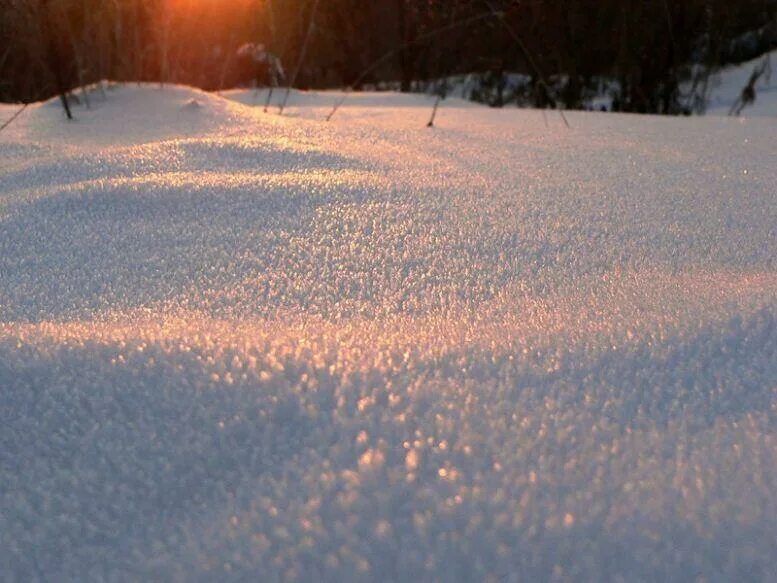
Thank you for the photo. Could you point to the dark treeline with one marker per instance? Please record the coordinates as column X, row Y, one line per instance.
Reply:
column 564, row 49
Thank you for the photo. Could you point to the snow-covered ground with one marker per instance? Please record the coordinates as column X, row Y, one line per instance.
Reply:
column 238, row 346
column 726, row 88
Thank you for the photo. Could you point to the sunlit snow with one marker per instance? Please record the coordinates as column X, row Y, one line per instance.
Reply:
column 239, row 346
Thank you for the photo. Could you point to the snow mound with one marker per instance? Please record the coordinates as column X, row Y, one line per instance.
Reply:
column 126, row 116
column 240, row 346
column 192, row 105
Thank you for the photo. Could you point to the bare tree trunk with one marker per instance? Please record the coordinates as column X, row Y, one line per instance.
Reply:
column 271, row 16
column 164, row 44
column 79, row 62
column 405, row 58
column 55, row 63
column 138, row 50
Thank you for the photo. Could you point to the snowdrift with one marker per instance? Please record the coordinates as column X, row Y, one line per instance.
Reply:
column 239, row 346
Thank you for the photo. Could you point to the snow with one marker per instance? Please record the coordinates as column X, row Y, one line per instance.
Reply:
column 726, row 87
column 722, row 90
column 239, row 346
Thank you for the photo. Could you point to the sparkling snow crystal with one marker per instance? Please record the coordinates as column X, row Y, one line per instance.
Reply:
column 238, row 346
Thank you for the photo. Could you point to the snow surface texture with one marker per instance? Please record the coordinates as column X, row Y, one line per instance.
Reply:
column 238, row 346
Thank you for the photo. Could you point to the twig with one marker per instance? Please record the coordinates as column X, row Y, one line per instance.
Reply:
column 13, row 117
column 271, row 50
column 434, row 111
column 377, row 63
column 747, row 97
column 527, row 55
column 302, row 53
column 268, row 100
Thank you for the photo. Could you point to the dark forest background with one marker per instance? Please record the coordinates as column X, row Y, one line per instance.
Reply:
column 643, row 51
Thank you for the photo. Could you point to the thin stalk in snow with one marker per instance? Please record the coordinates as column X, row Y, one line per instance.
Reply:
column 377, row 63
column 303, row 52
column 500, row 16
column 434, row 111
column 13, row 117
